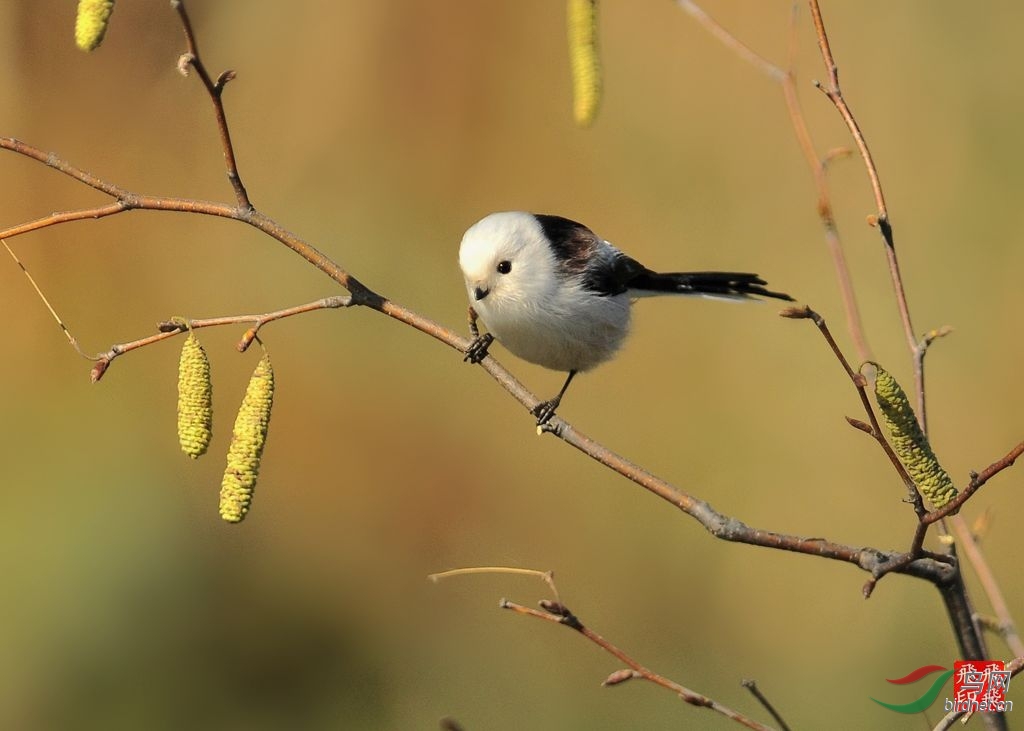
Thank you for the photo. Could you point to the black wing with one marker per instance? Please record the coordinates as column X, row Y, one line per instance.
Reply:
column 580, row 253
column 605, row 271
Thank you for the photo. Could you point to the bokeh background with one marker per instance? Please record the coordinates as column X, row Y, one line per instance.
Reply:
column 380, row 131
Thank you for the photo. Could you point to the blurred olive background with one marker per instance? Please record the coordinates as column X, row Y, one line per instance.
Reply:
column 380, row 131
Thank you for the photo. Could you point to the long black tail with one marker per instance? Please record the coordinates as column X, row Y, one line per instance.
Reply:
column 726, row 285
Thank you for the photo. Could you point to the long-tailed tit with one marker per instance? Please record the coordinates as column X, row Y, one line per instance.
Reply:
column 556, row 294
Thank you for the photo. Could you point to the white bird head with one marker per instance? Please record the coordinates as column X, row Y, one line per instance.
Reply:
column 506, row 259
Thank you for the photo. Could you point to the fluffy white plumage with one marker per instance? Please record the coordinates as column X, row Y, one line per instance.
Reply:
column 556, row 294
column 533, row 310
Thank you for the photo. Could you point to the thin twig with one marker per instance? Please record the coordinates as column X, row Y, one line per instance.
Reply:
column 817, row 165
column 859, row 382
column 835, row 95
column 559, row 614
column 173, row 328
column 819, row 168
column 741, row 49
column 881, row 219
column 977, row 481
column 898, row 563
column 967, row 543
column 129, row 201
column 215, row 89
column 548, row 577
column 60, row 323
column 763, row 700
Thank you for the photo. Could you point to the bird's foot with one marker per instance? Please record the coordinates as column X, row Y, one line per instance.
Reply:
column 477, row 350
column 545, row 410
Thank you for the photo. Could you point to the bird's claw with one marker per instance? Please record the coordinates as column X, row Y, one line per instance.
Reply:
column 477, row 350
column 544, row 411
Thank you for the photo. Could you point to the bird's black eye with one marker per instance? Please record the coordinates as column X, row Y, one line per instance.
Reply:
column 504, row 267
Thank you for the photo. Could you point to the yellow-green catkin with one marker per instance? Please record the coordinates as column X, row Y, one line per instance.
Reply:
column 91, row 22
column 583, row 57
column 195, row 399
column 910, row 443
column 249, row 436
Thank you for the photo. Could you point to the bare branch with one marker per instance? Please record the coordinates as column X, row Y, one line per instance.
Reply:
column 172, row 328
column 741, row 49
column 72, row 340
column 559, row 614
column 881, row 219
column 977, row 481
column 859, row 382
column 835, row 95
column 763, row 700
column 817, row 165
column 723, row 527
column 215, row 89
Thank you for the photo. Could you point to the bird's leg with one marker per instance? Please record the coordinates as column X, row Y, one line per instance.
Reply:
column 546, row 409
column 477, row 350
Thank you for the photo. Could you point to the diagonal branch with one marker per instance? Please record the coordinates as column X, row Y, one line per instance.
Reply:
column 719, row 525
column 559, row 614
column 873, row 429
column 835, row 95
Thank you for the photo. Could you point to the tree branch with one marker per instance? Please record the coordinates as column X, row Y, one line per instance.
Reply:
column 558, row 613
column 818, row 165
column 215, row 90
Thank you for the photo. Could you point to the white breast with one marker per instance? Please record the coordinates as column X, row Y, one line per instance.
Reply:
column 573, row 331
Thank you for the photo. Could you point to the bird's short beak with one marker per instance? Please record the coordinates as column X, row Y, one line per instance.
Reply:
column 479, row 293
